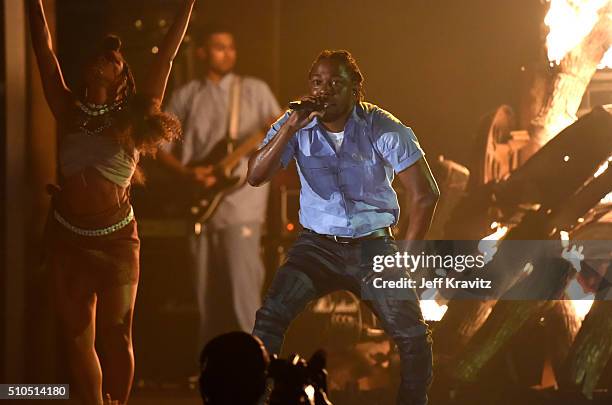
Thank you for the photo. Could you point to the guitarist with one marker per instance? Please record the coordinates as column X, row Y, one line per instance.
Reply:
column 205, row 108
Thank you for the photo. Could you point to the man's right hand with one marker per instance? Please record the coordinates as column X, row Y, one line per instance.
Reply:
column 299, row 119
column 203, row 175
column 267, row 160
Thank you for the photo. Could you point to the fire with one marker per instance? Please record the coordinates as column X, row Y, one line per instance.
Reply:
column 606, row 61
column 432, row 305
column 581, row 301
column 582, row 307
column 569, row 21
column 500, row 232
column 488, row 245
column 602, row 168
column 432, row 311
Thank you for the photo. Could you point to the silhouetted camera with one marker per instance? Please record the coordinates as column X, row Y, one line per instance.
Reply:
column 299, row 382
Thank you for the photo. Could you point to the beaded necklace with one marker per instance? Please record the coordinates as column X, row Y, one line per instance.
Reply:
column 98, row 112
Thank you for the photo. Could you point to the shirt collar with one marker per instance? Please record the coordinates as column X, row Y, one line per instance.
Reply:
column 356, row 115
column 225, row 83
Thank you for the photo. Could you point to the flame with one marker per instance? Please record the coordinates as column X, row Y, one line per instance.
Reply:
column 602, row 168
column 569, row 21
column 564, row 235
column 582, row 307
column 606, row 61
column 581, row 301
column 500, row 232
column 310, row 393
column 432, row 311
column 488, row 245
column 432, row 305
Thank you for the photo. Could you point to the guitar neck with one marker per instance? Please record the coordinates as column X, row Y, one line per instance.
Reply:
column 246, row 147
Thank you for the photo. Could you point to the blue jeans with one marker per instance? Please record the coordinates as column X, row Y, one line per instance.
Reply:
column 317, row 266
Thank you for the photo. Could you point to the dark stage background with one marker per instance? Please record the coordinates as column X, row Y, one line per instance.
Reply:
column 2, row 164
column 437, row 65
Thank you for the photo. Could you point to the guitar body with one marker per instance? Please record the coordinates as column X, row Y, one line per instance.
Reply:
column 205, row 201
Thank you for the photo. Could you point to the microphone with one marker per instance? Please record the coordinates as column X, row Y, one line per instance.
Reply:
column 307, row 105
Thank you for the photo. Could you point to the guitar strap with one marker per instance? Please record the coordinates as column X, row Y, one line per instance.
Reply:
column 234, row 113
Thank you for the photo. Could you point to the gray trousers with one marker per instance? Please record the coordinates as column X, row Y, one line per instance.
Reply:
column 235, row 250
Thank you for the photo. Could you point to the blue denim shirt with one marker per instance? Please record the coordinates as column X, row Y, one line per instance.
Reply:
column 349, row 192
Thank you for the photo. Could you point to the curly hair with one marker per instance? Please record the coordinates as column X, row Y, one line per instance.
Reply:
column 345, row 58
column 140, row 124
column 146, row 126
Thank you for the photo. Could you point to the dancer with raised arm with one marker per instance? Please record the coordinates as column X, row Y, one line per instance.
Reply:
column 93, row 243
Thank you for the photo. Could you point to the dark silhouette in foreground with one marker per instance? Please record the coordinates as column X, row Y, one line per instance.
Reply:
column 236, row 369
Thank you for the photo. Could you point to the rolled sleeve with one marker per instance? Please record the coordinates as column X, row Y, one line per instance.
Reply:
column 396, row 142
column 289, row 151
column 400, row 149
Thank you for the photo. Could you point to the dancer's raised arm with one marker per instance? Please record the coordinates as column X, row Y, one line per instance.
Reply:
column 155, row 84
column 56, row 92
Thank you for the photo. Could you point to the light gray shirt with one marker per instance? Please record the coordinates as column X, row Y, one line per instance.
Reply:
column 203, row 109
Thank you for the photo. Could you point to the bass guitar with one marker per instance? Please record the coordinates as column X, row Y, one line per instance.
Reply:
column 205, row 200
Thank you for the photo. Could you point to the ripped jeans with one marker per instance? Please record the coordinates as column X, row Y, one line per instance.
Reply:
column 317, row 266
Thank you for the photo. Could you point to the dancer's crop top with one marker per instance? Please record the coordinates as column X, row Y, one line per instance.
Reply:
column 78, row 150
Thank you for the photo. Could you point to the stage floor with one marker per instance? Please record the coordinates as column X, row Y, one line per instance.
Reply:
column 186, row 396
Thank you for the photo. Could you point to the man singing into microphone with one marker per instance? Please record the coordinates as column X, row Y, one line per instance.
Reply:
column 347, row 152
